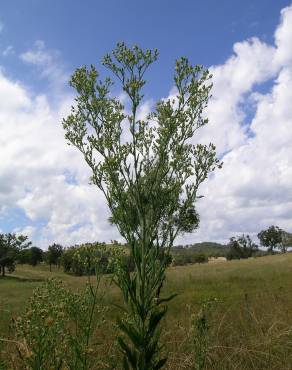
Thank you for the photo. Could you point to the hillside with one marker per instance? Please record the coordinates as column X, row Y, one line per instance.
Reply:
column 208, row 248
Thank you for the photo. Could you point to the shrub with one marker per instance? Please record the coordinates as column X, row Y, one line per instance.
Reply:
column 185, row 257
column 56, row 329
column 241, row 247
column 200, row 258
column 84, row 259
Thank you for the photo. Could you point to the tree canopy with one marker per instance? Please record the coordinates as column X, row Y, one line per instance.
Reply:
column 10, row 247
column 241, row 247
column 54, row 254
column 272, row 238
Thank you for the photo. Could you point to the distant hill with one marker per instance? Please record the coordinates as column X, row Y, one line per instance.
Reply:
column 208, row 248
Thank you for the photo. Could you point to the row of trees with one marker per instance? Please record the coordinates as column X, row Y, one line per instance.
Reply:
column 78, row 260
column 18, row 249
column 273, row 239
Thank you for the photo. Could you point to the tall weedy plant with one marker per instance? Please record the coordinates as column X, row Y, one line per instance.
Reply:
column 149, row 172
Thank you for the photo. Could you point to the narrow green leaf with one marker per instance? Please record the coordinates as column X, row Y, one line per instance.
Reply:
column 160, row 364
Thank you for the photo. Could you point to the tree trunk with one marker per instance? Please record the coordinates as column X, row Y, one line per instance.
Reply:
column 3, row 271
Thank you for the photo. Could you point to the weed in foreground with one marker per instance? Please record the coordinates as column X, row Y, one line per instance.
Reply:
column 56, row 330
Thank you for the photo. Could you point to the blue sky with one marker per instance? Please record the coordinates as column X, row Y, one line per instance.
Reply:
column 44, row 188
column 83, row 31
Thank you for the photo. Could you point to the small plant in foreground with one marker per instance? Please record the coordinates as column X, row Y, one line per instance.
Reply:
column 56, row 329
column 200, row 331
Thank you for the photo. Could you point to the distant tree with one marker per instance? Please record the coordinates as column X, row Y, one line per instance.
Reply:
column 200, row 258
column 272, row 238
column 241, row 247
column 10, row 247
column 23, row 256
column 35, row 256
column 115, row 242
column 286, row 241
column 67, row 259
column 31, row 256
column 54, row 254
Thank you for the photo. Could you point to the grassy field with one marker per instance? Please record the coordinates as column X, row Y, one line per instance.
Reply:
column 250, row 325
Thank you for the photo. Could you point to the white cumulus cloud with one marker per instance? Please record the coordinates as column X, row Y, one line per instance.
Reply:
column 250, row 122
column 253, row 190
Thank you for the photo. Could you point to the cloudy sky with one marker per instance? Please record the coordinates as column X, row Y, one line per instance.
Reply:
column 44, row 191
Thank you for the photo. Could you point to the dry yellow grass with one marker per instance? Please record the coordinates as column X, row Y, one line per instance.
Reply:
column 250, row 326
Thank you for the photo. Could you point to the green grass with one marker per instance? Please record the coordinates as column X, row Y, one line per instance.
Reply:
column 250, row 326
